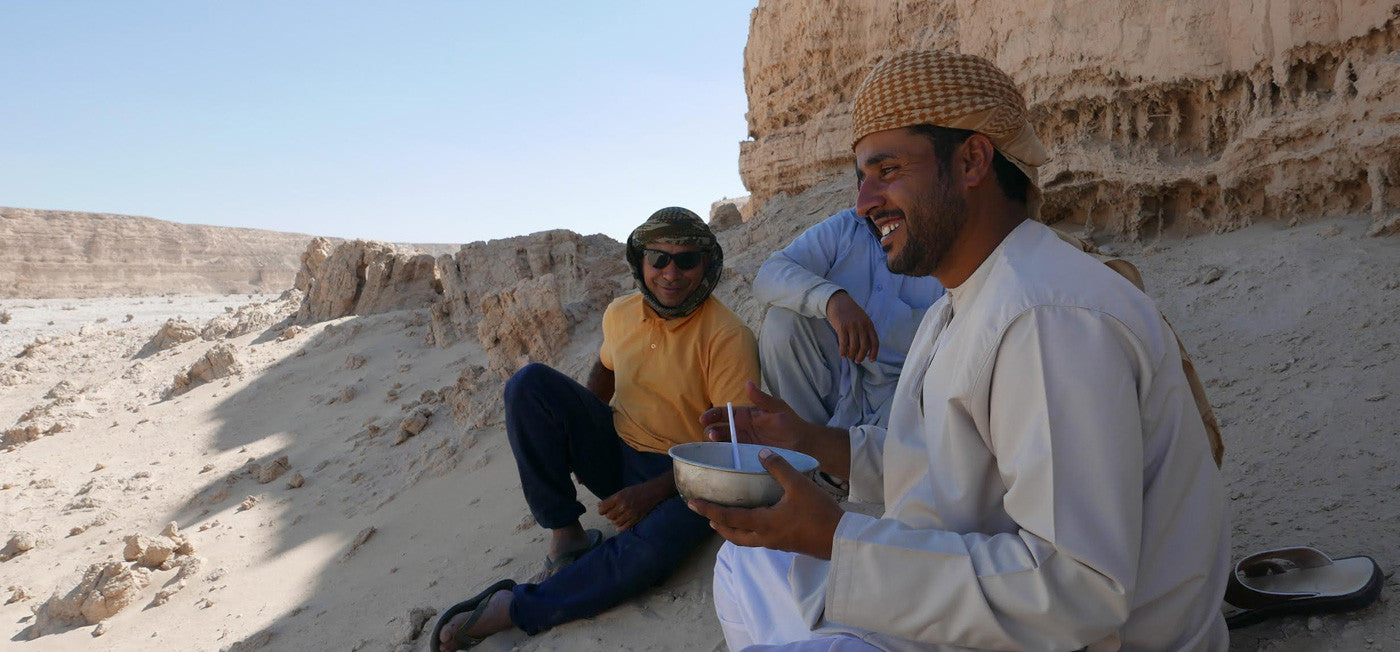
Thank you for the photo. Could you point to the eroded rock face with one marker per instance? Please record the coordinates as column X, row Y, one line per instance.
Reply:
column 523, row 325
column 577, row 275
column 363, row 278
column 1193, row 112
column 583, row 271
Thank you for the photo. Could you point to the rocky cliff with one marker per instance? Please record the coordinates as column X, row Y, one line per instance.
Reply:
column 65, row 254
column 520, row 297
column 1194, row 113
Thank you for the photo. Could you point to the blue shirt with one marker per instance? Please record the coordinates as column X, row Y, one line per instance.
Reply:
column 842, row 253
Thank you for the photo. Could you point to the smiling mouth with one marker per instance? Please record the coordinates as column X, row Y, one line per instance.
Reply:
column 890, row 228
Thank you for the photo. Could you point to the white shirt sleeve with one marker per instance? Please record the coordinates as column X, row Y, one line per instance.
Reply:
column 795, row 277
column 867, row 476
column 1060, row 409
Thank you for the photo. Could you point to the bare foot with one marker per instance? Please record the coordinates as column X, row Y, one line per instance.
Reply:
column 496, row 618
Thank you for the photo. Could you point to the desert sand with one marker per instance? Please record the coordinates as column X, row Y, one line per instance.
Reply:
column 1294, row 329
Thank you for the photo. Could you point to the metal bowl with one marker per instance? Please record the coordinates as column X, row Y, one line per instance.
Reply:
column 705, row 470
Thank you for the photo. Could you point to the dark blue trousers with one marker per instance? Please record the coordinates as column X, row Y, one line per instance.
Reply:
column 558, row 427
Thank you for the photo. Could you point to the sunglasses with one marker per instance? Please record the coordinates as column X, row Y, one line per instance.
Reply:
column 686, row 260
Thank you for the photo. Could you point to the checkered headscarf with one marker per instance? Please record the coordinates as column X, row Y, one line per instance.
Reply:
column 678, row 226
column 950, row 89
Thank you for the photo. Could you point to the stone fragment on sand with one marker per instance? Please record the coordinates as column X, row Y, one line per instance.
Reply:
column 289, row 332
column 99, row 467
column 172, row 334
column 157, row 554
column 248, row 503
column 65, row 390
column 354, row 362
column 257, row 641
column 273, row 471
column 414, row 621
column 360, row 540
column 1209, row 274
column 76, row 530
column 135, row 546
column 296, row 481
column 220, row 361
column 207, row 468
column 17, row 594
column 163, row 596
column 104, row 589
column 19, row 543
column 412, row 425
column 20, row 435
column 100, row 629
column 346, row 395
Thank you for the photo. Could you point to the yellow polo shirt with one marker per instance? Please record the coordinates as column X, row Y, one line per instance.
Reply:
column 668, row 371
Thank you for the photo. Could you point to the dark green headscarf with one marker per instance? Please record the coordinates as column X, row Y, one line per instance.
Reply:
column 677, row 226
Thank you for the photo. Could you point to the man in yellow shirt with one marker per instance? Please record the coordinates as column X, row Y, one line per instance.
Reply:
column 670, row 351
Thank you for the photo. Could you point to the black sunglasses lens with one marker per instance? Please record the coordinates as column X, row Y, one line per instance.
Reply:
column 657, row 259
column 686, row 260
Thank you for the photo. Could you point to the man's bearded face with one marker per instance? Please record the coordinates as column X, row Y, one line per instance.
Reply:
column 910, row 197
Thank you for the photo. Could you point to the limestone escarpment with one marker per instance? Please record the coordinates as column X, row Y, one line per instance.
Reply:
column 67, row 254
column 1202, row 114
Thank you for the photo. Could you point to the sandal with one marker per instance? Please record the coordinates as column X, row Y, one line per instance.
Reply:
column 1300, row 580
column 476, row 605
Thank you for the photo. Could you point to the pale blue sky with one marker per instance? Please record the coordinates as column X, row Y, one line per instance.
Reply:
column 409, row 121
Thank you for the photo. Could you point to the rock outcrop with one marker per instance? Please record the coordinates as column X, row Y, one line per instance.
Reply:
column 105, row 589
column 1206, row 115
column 586, row 271
column 363, row 278
column 523, row 325
column 68, row 254
column 557, row 276
column 219, row 361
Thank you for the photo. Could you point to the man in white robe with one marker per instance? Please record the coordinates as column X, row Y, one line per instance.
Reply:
column 1046, row 476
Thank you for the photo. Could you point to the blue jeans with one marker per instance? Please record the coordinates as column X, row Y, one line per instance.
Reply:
column 557, row 427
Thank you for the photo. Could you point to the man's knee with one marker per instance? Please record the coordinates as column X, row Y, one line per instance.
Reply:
column 527, row 381
column 779, row 323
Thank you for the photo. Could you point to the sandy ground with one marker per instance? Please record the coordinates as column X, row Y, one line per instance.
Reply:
column 1296, row 332
column 30, row 318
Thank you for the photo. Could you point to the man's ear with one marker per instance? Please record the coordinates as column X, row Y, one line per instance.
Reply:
column 975, row 160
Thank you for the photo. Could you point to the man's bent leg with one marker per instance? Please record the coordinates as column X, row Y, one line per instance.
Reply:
column 556, row 426
column 752, row 598
column 800, row 361
column 622, row 567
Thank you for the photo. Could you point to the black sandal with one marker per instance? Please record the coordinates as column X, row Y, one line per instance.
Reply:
column 476, row 605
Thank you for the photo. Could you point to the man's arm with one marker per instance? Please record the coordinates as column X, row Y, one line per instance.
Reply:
column 794, row 277
column 601, row 381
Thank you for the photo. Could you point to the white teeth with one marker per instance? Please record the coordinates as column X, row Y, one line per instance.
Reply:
column 889, row 228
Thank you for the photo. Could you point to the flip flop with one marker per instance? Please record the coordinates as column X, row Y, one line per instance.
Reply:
column 552, row 566
column 1299, row 580
column 476, row 605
